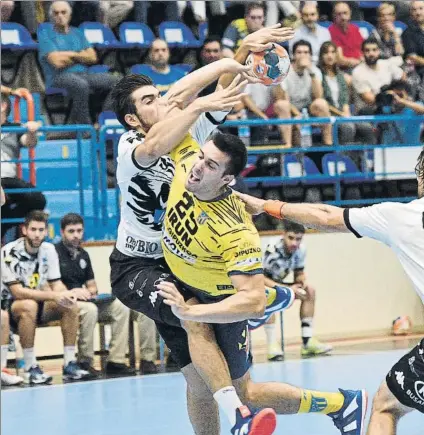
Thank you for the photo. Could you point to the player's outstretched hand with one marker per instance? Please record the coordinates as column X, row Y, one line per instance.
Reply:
column 223, row 99
column 174, row 299
column 253, row 205
column 264, row 38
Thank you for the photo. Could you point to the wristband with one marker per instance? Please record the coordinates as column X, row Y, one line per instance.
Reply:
column 273, row 208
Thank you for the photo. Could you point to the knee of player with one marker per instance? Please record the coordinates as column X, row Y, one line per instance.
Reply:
column 88, row 309
column 198, row 329
column 311, row 292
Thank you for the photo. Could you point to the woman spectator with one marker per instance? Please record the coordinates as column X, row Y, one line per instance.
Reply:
column 336, row 92
column 386, row 35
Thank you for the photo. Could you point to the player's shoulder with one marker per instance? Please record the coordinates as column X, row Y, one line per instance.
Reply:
column 48, row 248
column 13, row 247
column 128, row 141
column 240, row 24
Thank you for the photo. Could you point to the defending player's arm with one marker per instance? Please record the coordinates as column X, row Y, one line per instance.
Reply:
column 166, row 134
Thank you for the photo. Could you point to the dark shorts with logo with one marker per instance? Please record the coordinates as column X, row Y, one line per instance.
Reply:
column 133, row 282
column 406, row 378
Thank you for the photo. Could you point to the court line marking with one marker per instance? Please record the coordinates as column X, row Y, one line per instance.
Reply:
column 129, row 378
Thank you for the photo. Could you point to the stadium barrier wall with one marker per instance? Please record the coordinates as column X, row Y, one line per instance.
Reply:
column 361, row 289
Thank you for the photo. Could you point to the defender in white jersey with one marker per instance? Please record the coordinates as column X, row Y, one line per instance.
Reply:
column 401, row 227
column 144, row 174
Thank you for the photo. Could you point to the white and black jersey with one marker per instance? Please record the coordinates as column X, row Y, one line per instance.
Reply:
column 32, row 271
column 399, row 226
column 278, row 264
column 145, row 190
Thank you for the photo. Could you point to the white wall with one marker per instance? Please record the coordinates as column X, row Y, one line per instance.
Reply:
column 361, row 289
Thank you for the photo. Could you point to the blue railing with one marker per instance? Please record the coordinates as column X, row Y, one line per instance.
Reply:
column 105, row 202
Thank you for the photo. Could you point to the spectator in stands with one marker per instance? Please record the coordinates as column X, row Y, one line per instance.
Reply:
column 211, row 51
column 413, row 37
column 253, row 20
column 34, row 294
column 288, row 255
column 388, row 38
column 78, row 276
column 264, row 102
column 370, row 76
column 336, row 93
column 303, row 90
column 6, row 8
column 147, row 340
column 141, row 9
column 311, row 31
column 65, row 54
column 346, row 36
column 160, row 71
column 18, row 204
column 114, row 12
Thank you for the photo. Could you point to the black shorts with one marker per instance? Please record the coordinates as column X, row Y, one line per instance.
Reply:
column 406, row 378
column 134, row 281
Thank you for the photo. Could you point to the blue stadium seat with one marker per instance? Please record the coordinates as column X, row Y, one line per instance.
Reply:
column 325, row 24
column 292, row 168
column 14, row 36
column 311, row 169
column 109, row 118
column 177, row 34
column 185, row 67
column 334, row 164
column 365, row 28
column 100, row 36
column 400, row 26
column 132, row 35
column 64, row 174
column 203, row 31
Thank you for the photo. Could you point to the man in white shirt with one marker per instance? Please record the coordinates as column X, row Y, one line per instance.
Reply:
column 401, row 227
column 370, row 76
column 311, row 31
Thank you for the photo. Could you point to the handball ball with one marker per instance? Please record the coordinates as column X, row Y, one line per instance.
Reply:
column 402, row 325
column 270, row 66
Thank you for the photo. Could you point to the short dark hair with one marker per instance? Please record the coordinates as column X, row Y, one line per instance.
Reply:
column 37, row 216
column 253, row 5
column 300, row 43
column 293, row 227
column 123, row 103
column 209, row 39
column 235, row 150
column 340, row 3
column 71, row 219
column 369, row 41
column 419, row 168
column 6, row 99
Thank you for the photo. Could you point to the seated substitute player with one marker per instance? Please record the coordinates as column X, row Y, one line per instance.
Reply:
column 401, row 227
column 288, row 255
column 214, row 251
column 144, row 176
column 34, row 294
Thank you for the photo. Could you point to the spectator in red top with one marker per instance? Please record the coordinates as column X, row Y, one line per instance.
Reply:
column 346, row 36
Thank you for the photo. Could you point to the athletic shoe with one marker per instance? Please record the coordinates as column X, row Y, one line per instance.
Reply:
column 148, row 367
column 275, row 353
column 118, row 369
column 35, row 376
column 86, row 365
column 278, row 298
column 8, row 378
column 259, row 423
column 350, row 419
column 315, row 347
column 73, row 372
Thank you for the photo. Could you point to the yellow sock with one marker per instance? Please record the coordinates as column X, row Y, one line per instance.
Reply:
column 321, row 402
column 271, row 294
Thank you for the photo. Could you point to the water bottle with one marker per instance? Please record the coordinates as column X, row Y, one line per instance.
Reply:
column 305, row 131
column 244, row 130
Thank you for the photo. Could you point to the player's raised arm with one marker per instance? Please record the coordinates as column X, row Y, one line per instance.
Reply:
column 190, row 85
column 260, row 40
column 165, row 135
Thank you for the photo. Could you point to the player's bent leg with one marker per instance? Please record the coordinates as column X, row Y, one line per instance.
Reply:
column 386, row 412
column 346, row 408
column 202, row 408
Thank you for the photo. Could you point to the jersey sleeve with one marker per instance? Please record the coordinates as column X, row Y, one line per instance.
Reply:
column 206, row 124
column 8, row 265
column 242, row 252
column 89, row 273
column 369, row 221
column 299, row 260
column 187, row 148
column 270, row 264
column 53, row 273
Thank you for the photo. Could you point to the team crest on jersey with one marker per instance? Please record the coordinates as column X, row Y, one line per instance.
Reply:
column 203, row 217
column 82, row 263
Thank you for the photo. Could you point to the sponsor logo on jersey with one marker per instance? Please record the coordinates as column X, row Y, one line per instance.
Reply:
column 249, row 262
column 222, row 287
column 142, row 246
column 247, row 251
column 203, row 217
column 177, row 249
column 419, row 389
column 400, row 378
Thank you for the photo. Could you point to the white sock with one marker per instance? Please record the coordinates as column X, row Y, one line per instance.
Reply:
column 29, row 358
column 270, row 334
column 229, row 401
column 306, row 329
column 4, row 350
column 69, row 354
